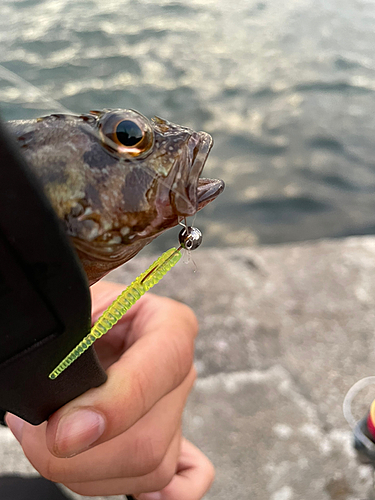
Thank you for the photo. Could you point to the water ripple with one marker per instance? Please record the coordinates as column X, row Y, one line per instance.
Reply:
column 286, row 89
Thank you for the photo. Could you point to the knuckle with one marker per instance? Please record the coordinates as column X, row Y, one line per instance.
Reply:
column 163, row 474
column 184, row 313
column 183, row 354
column 51, row 471
column 149, row 453
column 190, row 318
column 140, row 385
column 42, row 461
column 54, row 469
column 182, row 348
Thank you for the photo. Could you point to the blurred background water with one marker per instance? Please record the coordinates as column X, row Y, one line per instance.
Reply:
column 287, row 89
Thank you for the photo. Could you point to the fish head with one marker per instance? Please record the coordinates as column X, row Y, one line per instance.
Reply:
column 117, row 179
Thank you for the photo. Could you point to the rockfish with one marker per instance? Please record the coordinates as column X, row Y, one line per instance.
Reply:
column 116, row 179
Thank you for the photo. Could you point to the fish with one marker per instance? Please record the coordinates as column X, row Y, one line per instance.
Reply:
column 116, row 179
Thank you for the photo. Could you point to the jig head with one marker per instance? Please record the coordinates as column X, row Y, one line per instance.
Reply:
column 190, row 238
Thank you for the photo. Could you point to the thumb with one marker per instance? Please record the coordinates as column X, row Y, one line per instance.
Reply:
column 152, row 367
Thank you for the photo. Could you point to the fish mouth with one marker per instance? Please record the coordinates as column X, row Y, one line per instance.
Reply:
column 208, row 190
column 199, row 191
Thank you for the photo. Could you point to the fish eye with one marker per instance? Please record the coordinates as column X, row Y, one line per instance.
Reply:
column 126, row 132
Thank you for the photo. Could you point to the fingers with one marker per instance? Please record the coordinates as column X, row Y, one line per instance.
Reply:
column 155, row 480
column 190, row 480
column 136, row 452
column 157, row 362
column 194, row 476
column 129, row 429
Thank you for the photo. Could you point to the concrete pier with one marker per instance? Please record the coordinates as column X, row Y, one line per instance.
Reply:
column 285, row 331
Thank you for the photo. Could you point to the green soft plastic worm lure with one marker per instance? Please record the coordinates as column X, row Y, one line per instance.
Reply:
column 190, row 238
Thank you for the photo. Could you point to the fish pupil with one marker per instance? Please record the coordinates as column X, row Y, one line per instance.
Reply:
column 128, row 133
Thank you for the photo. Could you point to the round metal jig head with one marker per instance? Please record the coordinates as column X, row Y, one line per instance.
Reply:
column 190, row 238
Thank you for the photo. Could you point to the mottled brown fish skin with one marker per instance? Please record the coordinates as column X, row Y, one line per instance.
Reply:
column 113, row 203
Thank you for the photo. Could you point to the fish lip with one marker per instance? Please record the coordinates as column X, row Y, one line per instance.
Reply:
column 198, row 147
column 201, row 144
column 208, row 190
column 203, row 190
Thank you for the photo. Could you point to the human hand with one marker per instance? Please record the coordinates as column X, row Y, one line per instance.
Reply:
column 125, row 436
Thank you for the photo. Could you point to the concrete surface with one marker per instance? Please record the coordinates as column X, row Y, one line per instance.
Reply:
column 285, row 332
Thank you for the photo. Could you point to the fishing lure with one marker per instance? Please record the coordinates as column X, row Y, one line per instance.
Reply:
column 190, row 238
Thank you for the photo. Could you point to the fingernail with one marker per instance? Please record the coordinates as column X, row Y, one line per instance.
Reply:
column 16, row 425
column 155, row 495
column 76, row 431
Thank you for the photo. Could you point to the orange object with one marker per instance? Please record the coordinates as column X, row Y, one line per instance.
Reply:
column 371, row 421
